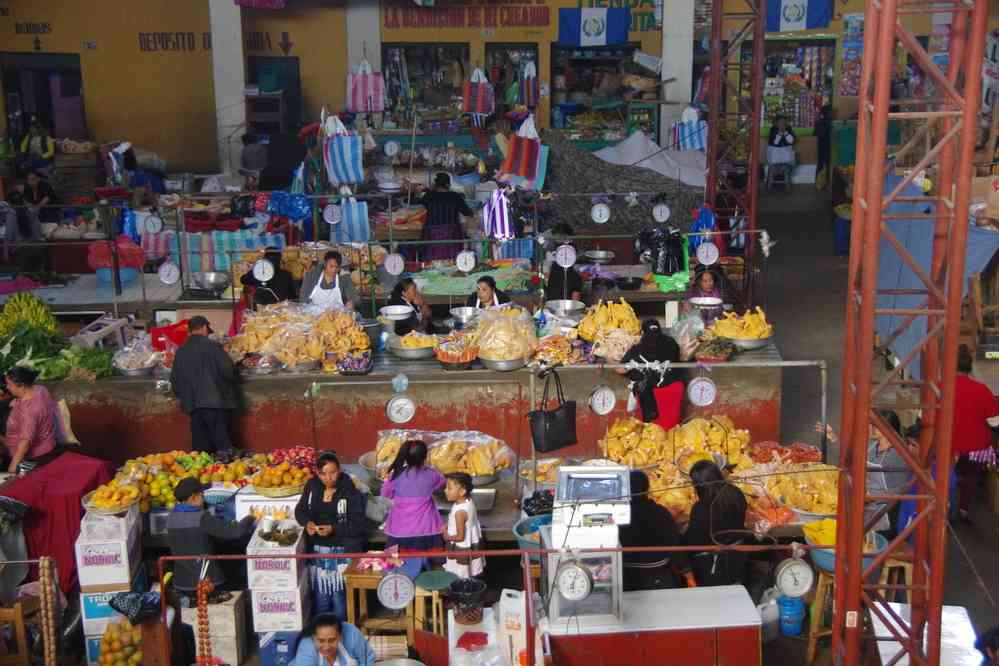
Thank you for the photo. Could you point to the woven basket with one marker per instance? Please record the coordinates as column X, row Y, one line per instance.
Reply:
column 280, row 491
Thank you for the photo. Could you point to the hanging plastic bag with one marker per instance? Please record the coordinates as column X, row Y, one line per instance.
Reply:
column 353, row 226
column 705, row 222
column 365, row 89
column 479, row 98
column 343, row 154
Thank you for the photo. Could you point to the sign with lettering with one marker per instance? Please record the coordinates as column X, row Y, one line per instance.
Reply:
column 33, row 28
column 468, row 14
column 175, row 42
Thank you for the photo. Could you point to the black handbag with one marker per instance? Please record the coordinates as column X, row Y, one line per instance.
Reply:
column 556, row 428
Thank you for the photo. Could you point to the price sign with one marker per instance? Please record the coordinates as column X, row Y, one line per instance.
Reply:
column 702, row 391
column 395, row 264
column 169, row 273
column 465, row 261
column 565, row 256
column 707, row 253
column 263, row 270
column 661, row 212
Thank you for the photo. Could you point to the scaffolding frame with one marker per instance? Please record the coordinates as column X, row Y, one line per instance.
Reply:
column 953, row 106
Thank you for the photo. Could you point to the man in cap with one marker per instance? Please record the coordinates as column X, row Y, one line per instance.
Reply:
column 204, row 380
column 191, row 530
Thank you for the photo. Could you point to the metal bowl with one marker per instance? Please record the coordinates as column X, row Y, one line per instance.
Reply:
column 138, row 372
column 629, row 283
column 565, row 307
column 308, row 366
column 485, row 480
column 413, row 354
column 749, row 344
column 212, row 280
column 465, row 314
column 504, row 366
column 705, row 301
column 396, row 312
column 599, row 256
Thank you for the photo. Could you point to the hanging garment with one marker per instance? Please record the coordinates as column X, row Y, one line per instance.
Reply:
column 691, row 135
column 496, row 220
column 522, row 157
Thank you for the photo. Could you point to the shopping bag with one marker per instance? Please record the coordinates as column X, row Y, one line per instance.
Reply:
column 479, row 98
column 530, row 91
column 553, row 429
column 522, row 157
column 365, row 90
column 343, row 154
column 353, row 227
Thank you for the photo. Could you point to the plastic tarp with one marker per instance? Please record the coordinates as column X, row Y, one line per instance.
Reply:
column 917, row 237
column 687, row 166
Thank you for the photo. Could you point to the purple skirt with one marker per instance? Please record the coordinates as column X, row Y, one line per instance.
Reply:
column 437, row 232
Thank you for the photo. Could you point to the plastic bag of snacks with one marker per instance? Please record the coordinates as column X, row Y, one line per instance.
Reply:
column 506, row 334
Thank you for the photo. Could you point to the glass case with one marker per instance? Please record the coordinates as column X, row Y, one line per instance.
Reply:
column 602, row 606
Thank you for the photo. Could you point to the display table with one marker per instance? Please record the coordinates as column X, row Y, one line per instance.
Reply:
column 698, row 626
column 359, row 583
column 957, row 640
column 54, row 492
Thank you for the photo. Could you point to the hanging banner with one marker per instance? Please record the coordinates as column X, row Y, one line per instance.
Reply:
column 853, row 49
column 791, row 15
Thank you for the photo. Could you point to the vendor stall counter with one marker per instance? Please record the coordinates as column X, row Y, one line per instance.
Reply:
column 698, row 626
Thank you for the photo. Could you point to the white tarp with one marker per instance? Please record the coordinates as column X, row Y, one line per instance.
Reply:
column 686, row 166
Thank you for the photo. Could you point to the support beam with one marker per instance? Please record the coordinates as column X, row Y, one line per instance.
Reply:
column 678, row 64
column 229, row 78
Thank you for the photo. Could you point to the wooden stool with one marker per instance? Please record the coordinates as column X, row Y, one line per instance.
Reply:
column 15, row 616
column 432, row 584
column 816, row 628
column 901, row 567
column 534, row 570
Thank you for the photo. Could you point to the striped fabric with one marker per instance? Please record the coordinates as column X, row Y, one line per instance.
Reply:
column 496, row 220
column 344, row 159
column 535, row 184
column 691, row 135
column 353, row 227
column 522, row 157
column 518, row 248
column 160, row 244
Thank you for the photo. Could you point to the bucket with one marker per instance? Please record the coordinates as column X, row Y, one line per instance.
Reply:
column 792, row 615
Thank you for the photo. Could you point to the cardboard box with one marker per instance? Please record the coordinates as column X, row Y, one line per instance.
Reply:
column 277, row 574
column 105, row 566
column 96, row 610
column 93, row 644
column 226, row 620
column 277, row 648
column 247, row 501
column 281, row 610
column 231, row 650
column 95, row 528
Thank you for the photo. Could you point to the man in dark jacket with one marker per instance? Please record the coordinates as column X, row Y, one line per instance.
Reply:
column 204, row 380
column 191, row 530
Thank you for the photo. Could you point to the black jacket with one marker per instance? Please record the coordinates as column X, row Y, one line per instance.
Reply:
column 203, row 376
column 707, row 526
column 194, row 533
column 345, row 513
column 279, row 288
column 651, row 525
column 661, row 348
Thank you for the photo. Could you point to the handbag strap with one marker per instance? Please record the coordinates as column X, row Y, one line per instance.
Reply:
column 544, row 393
column 559, row 394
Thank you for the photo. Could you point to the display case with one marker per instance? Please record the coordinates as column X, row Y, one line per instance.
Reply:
column 603, row 602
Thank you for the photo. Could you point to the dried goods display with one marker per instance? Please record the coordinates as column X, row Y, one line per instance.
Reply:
column 605, row 317
column 417, row 340
column 296, row 334
column 458, row 347
column 764, row 452
column 472, row 452
column 636, row 444
column 559, row 350
column 506, row 334
column 808, row 487
column 751, row 326
column 546, row 472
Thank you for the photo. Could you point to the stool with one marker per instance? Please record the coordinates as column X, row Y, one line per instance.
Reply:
column 901, row 567
column 779, row 173
column 534, row 571
column 433, row 582
column 15, row 617
column 816, row 614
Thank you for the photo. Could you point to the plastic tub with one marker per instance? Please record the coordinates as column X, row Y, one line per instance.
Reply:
column 126, row 274
column 528, row 526
column 825, row 558
column 792, row 615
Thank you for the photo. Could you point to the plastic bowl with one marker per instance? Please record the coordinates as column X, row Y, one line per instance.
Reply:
column 825, row 558
column 527, row 526
column 126, row 274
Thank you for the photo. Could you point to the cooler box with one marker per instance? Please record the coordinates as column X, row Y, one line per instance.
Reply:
column 276, row 574
column 281, row 610
column 277, row 648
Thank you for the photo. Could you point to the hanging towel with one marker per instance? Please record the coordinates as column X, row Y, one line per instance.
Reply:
column 496, row 220
column 365, row 89
column 230, row 245
column 522, row 157
column 353, row 227
column 530, row 91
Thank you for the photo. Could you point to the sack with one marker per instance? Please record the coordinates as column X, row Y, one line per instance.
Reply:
column 522, row 157
column 365, row 90
column 553, row 429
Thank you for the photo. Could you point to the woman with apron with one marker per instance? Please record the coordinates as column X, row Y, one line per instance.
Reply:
column 486, row 294
column 323, row 286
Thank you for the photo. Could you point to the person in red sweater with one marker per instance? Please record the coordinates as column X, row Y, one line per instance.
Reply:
column 976, row 412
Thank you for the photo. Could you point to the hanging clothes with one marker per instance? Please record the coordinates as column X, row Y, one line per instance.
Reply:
column 496, row 219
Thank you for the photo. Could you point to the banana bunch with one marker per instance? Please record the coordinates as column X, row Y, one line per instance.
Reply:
column 23, row 308
column 604, row 317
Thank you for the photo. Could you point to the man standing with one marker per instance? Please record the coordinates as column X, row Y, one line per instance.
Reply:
column 204, row 380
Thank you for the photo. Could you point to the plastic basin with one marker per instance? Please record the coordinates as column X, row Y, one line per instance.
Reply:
column 825, row 558
column 528, row 526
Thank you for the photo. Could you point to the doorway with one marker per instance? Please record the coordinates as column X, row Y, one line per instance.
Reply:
column 279, row 74
column 46, row 85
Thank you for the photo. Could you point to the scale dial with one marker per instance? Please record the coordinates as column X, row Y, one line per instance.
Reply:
column 391, row 148
column 396, row 590
column 263, row 270
column 702, row 391
column 707, row 253
column 600, row 213
column 332, row 214
column 565, row 256
column 154, row 224
column 394, row 264
column 602, row 400
column 465, row 261
column 400, row 409
column 661, row 212
column 574, row 581
column 794, row 577
column 169, row 273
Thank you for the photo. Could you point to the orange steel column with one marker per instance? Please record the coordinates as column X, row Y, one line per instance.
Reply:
column 949, row 116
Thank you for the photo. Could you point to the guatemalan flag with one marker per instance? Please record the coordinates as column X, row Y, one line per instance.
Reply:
column 789, row 15
column 593, row 26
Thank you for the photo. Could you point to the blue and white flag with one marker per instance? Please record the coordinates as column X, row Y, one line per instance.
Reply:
column 593, row 26
column 790, row 15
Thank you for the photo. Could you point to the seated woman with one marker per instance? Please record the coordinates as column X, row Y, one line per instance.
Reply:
column 406, row 292
column 280, row 288
column 720, row 509
column 323, row 285
column 660, row 395
column 704, row 285
column 37, row 150
column 780, row 149
column 329, row 642
column 31, row 426
column 651, row 525
column 486, row 294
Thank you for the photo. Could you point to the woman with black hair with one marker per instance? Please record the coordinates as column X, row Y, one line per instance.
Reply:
column 31, row 426
column 988, row 645
column 659, row 394
column 329, row 641
column 720, row 510
column 331, row 510
column 651, row 525
column 887, row 472
column 413, row 522
column 445, row 209
column 280, row 288
column 704, row 285
column 406, row 292
column 486, row 295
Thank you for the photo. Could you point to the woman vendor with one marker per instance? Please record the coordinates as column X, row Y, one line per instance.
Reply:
column 720, row 509
column 704, row 285
column 445, row 209
column 31, row 426
column 329, row 641
column 323, row 285
column 413, row 522
column 278, row 289
column 486, row 294
column 651, row 525
column 660, row 394
column 406, row 292
column 331, row 510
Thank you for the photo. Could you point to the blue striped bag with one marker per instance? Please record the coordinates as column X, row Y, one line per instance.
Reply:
column 353, row 227
column 343, row 154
